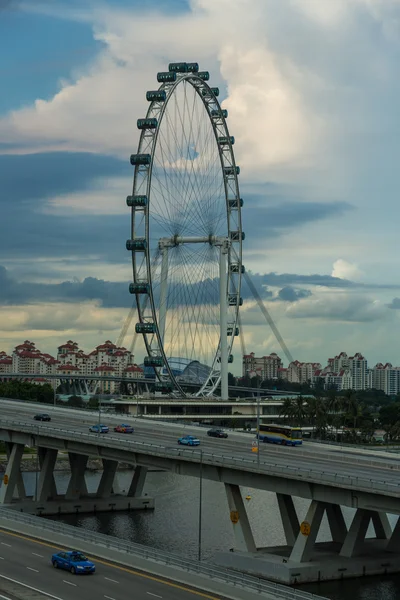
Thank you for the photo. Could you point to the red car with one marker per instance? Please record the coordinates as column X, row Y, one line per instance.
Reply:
column 124, row 428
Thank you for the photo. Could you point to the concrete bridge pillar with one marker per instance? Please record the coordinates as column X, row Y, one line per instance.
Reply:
column 289, row 518
column 241, row 526
column 307, row 535
column 356, row 534
column 336, row 522
column 13, row 477
column 393, row 544
column 77, row 484
column 105, row 487
column 47, row 486
column 19, row 490
column 138, row 481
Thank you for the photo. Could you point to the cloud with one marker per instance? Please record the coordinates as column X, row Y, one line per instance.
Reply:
column 290, row 294
column 395, row 304
column 342, row 269
column 344, row 307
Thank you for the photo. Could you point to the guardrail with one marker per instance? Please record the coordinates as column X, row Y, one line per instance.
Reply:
column 231, row 577
column 264, row 466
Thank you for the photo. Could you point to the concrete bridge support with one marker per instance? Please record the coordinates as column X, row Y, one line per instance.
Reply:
column 47, row 488
column 77, row 483
column 241, row 525
column 138, row 480
column 107, row 481
column 348, row 552
column 13, row 484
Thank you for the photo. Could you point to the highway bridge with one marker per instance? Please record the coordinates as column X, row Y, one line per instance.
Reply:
column 330, row 480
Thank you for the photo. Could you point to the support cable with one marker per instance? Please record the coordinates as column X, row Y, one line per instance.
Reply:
column 267, row 316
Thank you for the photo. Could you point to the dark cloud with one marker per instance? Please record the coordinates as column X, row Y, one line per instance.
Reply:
column 395, row 304
column 28, row 181
column 290, row 294
column 276, row 211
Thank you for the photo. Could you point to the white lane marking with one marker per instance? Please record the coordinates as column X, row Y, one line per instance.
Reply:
column 4, row 544
column 31, row 588
column 156, row 595
column 1, row 558
column 35, row 554
column 69, row 582
column 4, row 597
column 30, row 568
column 113, row 580
column 109, row 598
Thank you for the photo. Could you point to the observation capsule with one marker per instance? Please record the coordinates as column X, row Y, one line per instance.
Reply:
column 139, row 288
column 153, row 361
column 156, row 95
column 147, row 123
column 193, row 67
column 232, row 331
column 234, row 203
column 236, row 268
column 234, row 300
column 225, row 140
column 214, row 90
column 166, row 77
column 181, row 67
column 136, row 245
column 236, row 237
column 219, row 113
column 230, row 359
column 140, row 159
column 145, row 328
column 203, row 75
column 136, row 200
column 163, row 386
column 231, row 170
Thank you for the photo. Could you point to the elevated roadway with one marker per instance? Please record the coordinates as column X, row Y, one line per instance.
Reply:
column 349, row 479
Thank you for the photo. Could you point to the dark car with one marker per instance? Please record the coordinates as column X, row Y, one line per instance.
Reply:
column 42, row 417
column 217, row 433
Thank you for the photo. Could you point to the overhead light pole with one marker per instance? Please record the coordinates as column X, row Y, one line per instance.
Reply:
column 258, row 429
column 200, row 502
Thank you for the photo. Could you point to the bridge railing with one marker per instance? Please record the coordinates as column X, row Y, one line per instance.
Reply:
column 231, row 577
column 265, row 465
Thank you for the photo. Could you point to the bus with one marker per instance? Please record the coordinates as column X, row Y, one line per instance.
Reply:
column 280, row 434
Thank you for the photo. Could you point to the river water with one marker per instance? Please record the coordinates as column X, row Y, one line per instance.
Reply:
column 173, row 525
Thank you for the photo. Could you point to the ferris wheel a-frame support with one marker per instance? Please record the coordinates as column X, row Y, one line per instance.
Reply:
column 223, row 244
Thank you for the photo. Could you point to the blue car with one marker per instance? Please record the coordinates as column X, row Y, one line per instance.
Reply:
column 189, row 440
column 73, row 561
column 99, row 428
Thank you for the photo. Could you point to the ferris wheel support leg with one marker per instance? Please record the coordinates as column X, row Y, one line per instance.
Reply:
column 223, row 322
column 163, row 291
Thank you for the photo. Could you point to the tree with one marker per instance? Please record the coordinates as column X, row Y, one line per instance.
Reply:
column 317, row 414
column 76, row 402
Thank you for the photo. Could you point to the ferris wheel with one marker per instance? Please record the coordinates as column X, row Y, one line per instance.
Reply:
column 186, row 234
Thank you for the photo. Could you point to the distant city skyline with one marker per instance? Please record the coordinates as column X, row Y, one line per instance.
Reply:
column 316, row 137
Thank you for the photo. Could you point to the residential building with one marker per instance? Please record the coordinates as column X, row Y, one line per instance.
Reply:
column 265, row 367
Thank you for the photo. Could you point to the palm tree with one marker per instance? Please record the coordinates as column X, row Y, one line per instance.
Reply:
column 299, row 411
column 286, row 410
column 316, row 412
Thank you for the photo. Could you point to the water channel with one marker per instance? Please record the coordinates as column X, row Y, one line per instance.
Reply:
column 173, row 525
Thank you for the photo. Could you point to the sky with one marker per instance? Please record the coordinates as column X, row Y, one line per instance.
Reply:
column 312, row 89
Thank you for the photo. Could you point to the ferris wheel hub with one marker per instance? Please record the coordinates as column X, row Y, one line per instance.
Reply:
column 177, row 240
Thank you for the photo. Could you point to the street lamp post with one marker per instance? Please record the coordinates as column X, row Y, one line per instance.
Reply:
column 37, row 466
column 258, row 429
column 200, row 501
column 98, row 428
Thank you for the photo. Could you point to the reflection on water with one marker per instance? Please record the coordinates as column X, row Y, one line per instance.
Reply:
column 176, row 517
